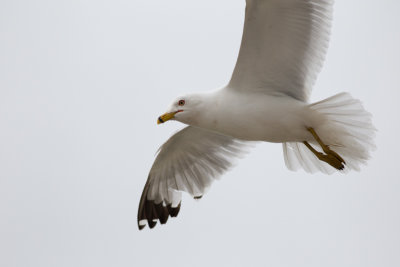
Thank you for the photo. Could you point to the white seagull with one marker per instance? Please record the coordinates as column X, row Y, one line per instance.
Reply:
column 283, row 47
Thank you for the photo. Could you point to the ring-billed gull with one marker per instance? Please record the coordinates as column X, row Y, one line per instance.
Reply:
column 283, row 46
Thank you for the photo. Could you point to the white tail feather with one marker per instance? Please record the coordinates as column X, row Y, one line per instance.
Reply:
column 346, row 128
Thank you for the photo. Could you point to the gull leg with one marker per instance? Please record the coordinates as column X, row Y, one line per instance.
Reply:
column 331, row 157
column 331, row 160
column 324, row 147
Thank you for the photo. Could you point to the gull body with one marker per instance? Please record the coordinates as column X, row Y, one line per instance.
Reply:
column 251, row 117
column 283, row 46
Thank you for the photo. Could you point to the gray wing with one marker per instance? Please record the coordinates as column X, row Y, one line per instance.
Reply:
column 283, row 46
column 189, row 161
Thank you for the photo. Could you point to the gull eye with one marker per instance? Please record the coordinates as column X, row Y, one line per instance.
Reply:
column 181, row 102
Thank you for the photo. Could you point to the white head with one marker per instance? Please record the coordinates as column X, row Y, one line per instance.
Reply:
column 186, row 109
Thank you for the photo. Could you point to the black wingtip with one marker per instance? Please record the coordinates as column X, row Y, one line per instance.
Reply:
column 151, row 223
column 151, row 212
column 174, row 211
column 162, row 212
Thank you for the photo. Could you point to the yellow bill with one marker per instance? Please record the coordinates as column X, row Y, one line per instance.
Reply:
column 166, row 117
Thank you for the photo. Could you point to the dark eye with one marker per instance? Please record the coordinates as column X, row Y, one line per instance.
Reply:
column 181, row 102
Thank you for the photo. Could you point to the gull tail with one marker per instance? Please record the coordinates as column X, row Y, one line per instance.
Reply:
column 345, row 126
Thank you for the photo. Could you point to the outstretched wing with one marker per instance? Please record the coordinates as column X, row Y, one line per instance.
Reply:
column 283, row 46
column 188, row 161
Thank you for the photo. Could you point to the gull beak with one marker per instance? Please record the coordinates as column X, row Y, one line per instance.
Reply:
column 166, row 117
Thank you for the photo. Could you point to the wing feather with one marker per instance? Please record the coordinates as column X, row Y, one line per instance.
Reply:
column 283, row 46
column 188, row 162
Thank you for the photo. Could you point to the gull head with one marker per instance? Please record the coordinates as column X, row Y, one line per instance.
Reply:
column 184, row 109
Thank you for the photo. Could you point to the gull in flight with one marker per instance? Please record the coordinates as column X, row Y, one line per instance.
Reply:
column 283, row 47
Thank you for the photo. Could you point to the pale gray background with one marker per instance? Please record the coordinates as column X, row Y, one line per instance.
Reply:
column 81, row 85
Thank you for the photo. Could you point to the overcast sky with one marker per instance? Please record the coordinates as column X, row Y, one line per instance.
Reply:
column 81, row 85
